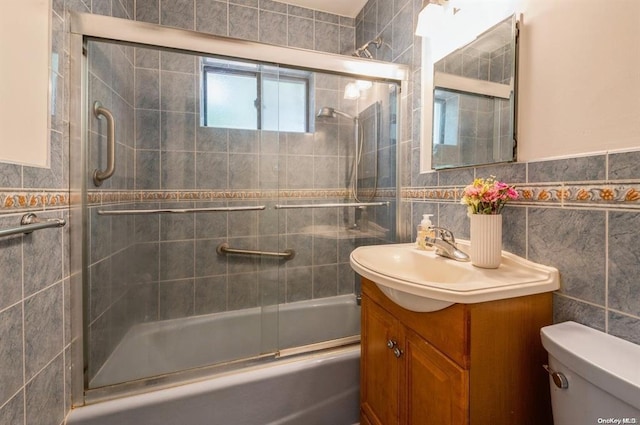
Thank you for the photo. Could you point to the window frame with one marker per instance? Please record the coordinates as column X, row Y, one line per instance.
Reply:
column 284, row 74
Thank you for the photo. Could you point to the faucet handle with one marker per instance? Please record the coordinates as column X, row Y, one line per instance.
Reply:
column 445, row 234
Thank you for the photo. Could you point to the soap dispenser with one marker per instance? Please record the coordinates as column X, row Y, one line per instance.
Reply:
column 424, row 229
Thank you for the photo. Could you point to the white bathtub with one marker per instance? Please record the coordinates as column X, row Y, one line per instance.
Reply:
column 321, row 389
column 310, row 389
column 156, row 348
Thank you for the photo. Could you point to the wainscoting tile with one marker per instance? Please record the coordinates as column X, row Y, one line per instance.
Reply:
column 573, row 242
column 43, row 325
column 45, row 395
column 624, row 257
column 571, row 169
column 565, row 309
column 11, row 353
column 624, row 326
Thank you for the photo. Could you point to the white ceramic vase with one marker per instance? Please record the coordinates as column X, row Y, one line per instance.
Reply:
column 486, row 240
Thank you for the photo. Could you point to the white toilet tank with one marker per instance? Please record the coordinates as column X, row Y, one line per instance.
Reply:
column 601, row 373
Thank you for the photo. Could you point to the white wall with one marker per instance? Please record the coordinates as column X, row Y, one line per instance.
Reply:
column 24, row 86
column 579, row 77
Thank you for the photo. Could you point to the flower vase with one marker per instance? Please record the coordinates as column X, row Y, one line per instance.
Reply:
column 486, row 240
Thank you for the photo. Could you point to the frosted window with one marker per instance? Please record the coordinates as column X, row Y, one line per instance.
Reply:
column 284, row 105
column 231, row 100
column 241, row 96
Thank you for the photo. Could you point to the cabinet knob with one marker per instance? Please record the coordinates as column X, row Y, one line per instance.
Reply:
column 397, row 352
column 391, row 344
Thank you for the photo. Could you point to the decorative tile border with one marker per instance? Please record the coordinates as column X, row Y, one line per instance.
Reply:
column 25, row 200
column 585, row 195
column 588, row 195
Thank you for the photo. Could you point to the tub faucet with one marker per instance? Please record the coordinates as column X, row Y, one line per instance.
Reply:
column 442, row 239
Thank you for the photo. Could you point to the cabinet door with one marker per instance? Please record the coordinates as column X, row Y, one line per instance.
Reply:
column 379, row 365
column 436, row 388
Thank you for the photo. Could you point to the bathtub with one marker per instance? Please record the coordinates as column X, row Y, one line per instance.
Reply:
column 167, row 346
column 320, row 387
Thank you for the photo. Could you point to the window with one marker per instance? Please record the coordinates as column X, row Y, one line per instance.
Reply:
column 254, row 97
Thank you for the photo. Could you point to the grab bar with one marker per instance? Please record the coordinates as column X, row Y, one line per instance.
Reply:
column 100, row 176
column 339, row 204
column 31, row 222
column 223, row 249
column 180, row 211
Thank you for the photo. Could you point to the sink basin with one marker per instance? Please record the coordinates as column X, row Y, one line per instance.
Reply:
column 422, row 281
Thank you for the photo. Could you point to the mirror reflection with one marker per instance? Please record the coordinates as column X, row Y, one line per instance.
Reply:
column 474, row 101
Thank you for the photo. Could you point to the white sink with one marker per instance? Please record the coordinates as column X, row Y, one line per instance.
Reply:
column 423, row 281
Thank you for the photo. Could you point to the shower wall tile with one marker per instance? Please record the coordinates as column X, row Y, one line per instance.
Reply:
column 177, row 170
column 300, row 32
column 273, row 6
column 177, row 13
column 147, row 89
column 244, row 171
column 177, row 92
column 243, row 22
column 273, row 28
column 177, row 260
column 11, row 266
column 212, row 171
column 210, row 294
column 211, row 17
column 299, row 11
column 148, row 170
column 242, row 291
column 177, row 131
column 13, row 411
column 176, row 299
column 248, row 3
column 325, row 281
column 327, row 37
column 299, row 284
column 207, row 262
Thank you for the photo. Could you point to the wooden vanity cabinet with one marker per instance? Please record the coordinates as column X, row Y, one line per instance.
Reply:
column 469, row 364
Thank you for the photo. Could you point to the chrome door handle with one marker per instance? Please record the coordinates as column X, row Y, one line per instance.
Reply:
column 101, row 175
column 391, row 344
column 397, row 352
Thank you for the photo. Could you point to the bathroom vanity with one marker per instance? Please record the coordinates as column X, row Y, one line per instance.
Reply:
column 478, row 364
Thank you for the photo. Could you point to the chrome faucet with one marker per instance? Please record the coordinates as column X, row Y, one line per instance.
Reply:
column 442, row 239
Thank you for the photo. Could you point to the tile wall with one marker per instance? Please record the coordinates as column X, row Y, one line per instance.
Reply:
column 146, row 268
column 35, row 334
column 576, row 214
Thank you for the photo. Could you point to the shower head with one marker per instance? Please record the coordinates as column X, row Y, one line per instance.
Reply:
column 363, row 51
column 328, row 112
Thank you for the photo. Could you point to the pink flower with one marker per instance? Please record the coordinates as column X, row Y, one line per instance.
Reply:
column 487, row 196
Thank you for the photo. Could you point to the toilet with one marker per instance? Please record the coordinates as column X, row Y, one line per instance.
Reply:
column 594, row 377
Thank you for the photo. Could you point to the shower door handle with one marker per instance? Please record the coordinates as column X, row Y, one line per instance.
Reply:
column 101, row 175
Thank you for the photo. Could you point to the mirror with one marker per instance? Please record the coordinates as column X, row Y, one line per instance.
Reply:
column 473, row 116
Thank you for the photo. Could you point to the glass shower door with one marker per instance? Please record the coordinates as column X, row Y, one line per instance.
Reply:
column 161, row 293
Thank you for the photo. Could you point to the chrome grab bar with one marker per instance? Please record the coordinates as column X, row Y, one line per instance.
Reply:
column 31, row 222
column 339, row 204
column 223, row 249
column 100, row 176
column 180, row 211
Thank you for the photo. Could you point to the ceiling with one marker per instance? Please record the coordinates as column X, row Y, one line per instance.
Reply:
column 348, row 8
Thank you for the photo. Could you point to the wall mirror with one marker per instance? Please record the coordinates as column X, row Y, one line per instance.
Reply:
column 473, row 98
